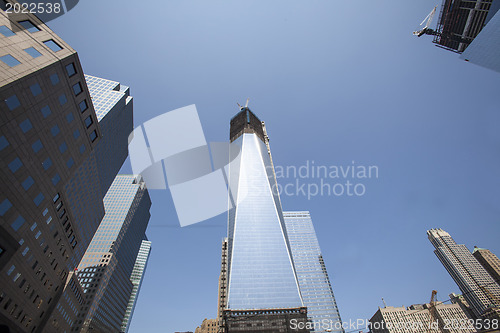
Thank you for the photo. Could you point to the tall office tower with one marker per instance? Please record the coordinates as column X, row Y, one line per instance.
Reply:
column 114, row 109
column 490, row 262
column 262, row 285
column 48, row 136
column 314, row 282
column 137, row 276
column 478, row 287
column 107, row 265
column 417, row 319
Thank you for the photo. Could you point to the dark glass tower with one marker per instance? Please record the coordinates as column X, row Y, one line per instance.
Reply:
column 106, row 269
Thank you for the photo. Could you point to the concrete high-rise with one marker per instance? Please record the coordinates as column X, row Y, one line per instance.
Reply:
column 262, row 284
column 489, row 261
column 478, row 287
column 314, row 282
column 136, row 278
column 48, row 137
column 417, row 319
column 106, row 268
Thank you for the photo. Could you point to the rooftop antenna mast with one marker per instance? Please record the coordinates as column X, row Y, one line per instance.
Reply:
column 246, row 105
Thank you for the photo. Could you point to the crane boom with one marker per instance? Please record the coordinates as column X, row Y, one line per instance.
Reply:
column 425, row 30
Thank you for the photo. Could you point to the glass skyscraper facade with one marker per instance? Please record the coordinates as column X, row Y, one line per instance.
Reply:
column 106, row 268
column 136, row 278
column 114, row 110
column 477, row 286
column 261, row 273
column 314, row 282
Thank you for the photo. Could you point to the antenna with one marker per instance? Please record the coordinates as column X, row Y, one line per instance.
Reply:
column 246, row 104
column 385, row 305
column 239, row 106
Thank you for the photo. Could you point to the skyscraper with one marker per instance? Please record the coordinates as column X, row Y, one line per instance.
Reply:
column 107, row 265
column 114, row 110
column 136, row 278
column 314, row 282
column 48, row 136
column 489, row 261
column 261, row 274
column 478, row 287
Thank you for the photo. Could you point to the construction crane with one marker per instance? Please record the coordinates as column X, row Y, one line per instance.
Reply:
column 426, row 30
column 434, row 317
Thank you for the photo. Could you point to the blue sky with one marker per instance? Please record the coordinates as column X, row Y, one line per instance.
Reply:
column 336, row 82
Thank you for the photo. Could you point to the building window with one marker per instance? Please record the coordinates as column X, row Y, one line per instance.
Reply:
column 18, row 223
column 38, row 199
column 56, row 179
column 54, row 78
column 3, row 143
column 28, row 25
column 88, row 121
column 35, row 89
column 10, row 60
column 63, row 147
column 82, row 148
column 51, row 44
column 27, row 183
column 33, row 52
column 76, row 134
column 63, row 99
column 70, row 69
column 46, row 111
column 11, row 269
column 26, row 125
column 70, row 163
column 77, row 88
column 4, row 207
column 47, row 163
column 93, row 136
column 4, row 30
column 70, row 117
column 12, row 102
column 83, row 106
column 15, row 165
column 55, row 130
